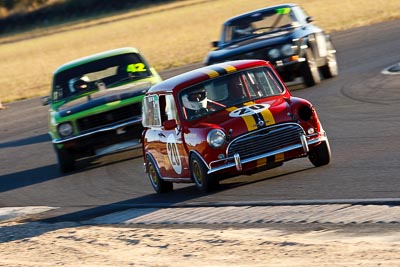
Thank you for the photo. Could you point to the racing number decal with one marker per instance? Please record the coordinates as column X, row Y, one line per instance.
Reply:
column 248, row 110
column 251, row 115
column 138, row 67
column 173, row 154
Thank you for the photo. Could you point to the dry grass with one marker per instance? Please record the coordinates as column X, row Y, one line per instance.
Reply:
column 168, row 36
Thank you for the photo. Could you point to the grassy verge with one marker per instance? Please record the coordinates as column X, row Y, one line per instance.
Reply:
column 169, row 35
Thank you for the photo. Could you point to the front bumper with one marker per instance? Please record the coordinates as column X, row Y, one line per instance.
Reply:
column 289, row 62
column 236, row 162
column 103, row 137
column 289, row 68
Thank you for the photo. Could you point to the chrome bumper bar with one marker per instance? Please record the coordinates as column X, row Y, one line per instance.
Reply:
column 105, row 129
column 236, row 162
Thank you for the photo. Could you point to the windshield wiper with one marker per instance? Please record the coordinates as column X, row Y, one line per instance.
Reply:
column 237, row 40
column 128, row 78
column 125, row 79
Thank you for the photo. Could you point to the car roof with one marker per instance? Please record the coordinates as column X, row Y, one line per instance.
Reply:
column 196, row 76
column 244, row 15
column 94, row 57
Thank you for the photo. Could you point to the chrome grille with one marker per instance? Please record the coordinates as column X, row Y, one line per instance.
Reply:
column 110, row 117
column 266, row 140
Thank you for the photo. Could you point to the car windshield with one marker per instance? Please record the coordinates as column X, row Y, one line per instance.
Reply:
column 259, row 23
column 221, row 93
column 99, row 74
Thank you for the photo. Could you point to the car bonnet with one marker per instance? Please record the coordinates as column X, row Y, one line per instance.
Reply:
column 248, row 116
column 103, row 97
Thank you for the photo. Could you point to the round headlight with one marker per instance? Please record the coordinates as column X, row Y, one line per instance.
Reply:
column 216, row 138
column 287, row 50
column 65, row 129
column 273, row 53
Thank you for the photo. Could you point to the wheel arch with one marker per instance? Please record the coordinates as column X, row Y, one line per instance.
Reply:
column 191, row 152
column 148, row 154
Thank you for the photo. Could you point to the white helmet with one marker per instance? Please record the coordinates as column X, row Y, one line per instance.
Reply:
column 77, row 84
column 195, row 100
column 244, row 28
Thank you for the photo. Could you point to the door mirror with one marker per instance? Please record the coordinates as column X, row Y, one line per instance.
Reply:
column 170, row 124
column 309, row 19
column 214, row 44
column 45, row 100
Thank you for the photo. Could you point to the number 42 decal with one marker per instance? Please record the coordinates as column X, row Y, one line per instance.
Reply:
column 173, row 154
column 138, row 67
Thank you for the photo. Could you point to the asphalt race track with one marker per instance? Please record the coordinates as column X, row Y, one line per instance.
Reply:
column 359, row 110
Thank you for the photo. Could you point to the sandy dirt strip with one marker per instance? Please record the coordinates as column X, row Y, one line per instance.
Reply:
column 33, row 243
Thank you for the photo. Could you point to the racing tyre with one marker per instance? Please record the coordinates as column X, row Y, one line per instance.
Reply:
column 66, row 160
column 321, row 154
column 204, row 182
column 309, row 70
column 331, row 68
column 159, row 185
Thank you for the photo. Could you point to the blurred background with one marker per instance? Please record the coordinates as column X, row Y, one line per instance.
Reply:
column 22, row 15
column 37, row 36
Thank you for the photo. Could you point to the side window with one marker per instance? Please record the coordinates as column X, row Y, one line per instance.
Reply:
column 170, row 108
column 151, row 111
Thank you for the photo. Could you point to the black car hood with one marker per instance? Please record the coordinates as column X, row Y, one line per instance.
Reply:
column 248, row 45
column 102, row 97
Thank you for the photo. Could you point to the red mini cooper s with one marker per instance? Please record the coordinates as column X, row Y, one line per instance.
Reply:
column 226, row 120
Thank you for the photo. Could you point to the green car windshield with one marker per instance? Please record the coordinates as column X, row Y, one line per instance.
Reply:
column 99, row 75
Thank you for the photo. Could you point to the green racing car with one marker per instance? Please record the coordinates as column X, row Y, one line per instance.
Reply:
column 96, row 104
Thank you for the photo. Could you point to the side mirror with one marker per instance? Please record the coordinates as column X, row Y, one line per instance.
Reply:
column 45, row 100
column 309, row 19
column 214, row 44
column 170, row 124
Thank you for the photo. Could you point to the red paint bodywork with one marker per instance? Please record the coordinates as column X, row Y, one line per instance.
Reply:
column 191, row 136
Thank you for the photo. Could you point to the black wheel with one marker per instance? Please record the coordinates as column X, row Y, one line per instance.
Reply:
column 321, row 154
column 66, row 160
column 309, row 70
column 159, row 185
column 331, row 68
column 204, row 182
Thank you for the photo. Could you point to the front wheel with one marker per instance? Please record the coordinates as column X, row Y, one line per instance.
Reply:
column 309, row 70
column 158, row 184
column 66, row 160
column 321, row 154
column 204, row 181
column 331, row 68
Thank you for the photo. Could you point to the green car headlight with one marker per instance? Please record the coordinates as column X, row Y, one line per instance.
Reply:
column 216, row 138
column 65, row 129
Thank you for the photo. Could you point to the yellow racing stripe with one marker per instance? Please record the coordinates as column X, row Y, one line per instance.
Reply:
column 211, row 73
column 231, row 109
column 268, row 117
column 230, row 68
column 215, row 71
column 250, row 103
column 248, row 120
